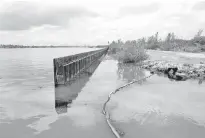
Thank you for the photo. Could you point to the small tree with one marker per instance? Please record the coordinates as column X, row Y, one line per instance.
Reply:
column 198, row 38
column 172, row 37
column 199, row 33
column 156, row 37
column 153, row 42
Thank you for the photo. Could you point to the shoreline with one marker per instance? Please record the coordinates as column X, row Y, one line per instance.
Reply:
column 191, row 71
column 51, row 47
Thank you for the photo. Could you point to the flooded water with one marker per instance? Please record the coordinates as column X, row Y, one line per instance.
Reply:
column 30, row 106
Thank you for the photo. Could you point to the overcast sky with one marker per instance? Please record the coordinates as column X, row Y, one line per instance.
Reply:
column 92, row 22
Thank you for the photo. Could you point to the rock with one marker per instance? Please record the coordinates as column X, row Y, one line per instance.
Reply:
column 181, row 74
column 194, row 75
column 184, row 70
column 40, row 87
column 152, row 72
column 201, row 71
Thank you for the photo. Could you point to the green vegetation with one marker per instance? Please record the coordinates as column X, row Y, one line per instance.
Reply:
column 172, row 43
column 128, row 52
column 134, row 50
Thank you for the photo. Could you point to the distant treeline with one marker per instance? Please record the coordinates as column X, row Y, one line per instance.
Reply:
column 170, row 43
column 135, row 50
column 23, row 46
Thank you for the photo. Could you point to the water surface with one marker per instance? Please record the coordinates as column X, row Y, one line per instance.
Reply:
column 154, row 108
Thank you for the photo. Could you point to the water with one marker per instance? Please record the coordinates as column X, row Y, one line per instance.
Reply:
column 155, row 108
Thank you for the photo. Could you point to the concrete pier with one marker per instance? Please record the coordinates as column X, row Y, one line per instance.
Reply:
column 64, row 95
column 67, row 68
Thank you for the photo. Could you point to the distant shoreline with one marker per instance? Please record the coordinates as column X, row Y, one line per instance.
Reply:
column 11, row 47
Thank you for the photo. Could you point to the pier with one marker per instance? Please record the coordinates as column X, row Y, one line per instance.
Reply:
column 68, row 67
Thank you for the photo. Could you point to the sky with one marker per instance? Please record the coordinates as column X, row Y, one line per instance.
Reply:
column 95, row 22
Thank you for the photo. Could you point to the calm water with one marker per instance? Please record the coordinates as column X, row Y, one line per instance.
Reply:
column 155, row 108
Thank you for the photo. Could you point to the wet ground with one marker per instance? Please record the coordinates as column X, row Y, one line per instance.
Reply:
column 178, row 57
column 154, row 108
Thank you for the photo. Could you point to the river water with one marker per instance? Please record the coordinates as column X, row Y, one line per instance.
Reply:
column 154, row 108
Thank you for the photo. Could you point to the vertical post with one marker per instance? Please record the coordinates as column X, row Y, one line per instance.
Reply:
column 69, row 70
column 64, row 74
column 72, row 70
column 86, row 62
column 90, row 59
column 54, row 69
column 75, row 67
column 78, row 65
column 83, row 63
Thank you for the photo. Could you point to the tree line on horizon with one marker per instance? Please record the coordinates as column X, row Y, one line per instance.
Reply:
column 170, row 43
column 132, row 51
column 51, row 46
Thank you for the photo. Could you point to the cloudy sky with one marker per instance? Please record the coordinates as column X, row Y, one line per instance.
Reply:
column 92, row 22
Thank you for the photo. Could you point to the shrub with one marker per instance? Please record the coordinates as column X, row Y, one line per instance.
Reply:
column 199, row 39
column 168, row 46
column 153, row 46
column 132, row 53
column 193, row 49
column 115, row 47
column 152, row 42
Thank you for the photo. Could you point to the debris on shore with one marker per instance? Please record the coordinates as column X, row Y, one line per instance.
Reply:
column 191, row 71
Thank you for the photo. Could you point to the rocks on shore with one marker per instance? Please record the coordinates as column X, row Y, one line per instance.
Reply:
column 194, row 71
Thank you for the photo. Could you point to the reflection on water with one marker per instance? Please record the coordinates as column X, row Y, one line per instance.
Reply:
column 27, row 96
column 65, row 94
column 130, row 72
column 161, row 108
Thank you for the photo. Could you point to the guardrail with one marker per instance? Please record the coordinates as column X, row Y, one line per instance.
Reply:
column 66, row 68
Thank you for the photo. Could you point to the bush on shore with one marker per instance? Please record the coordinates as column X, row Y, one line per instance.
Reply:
column 134, row 50
column 128, row 52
